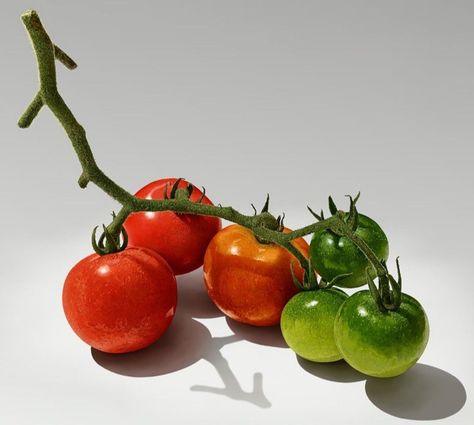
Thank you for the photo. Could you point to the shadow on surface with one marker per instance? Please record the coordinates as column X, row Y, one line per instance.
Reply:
column 262, row 335
column 183, row 344
column 338, row 371
column 186, row 342
column 193, row 298
column 422, row 393
column 232, row 387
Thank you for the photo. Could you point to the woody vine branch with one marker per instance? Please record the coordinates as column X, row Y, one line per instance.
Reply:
column 264, row 225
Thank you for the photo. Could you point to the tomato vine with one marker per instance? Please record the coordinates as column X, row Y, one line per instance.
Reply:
column 265, row 226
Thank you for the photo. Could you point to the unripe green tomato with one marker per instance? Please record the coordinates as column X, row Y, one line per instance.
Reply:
column 381, row 344
column 307, row 324
column 333, row 255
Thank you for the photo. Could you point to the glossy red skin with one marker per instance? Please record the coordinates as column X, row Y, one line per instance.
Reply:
column 120, row 302
column 249, row 281
column 181, row 239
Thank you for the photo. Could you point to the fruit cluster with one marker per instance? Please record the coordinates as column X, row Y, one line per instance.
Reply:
column 257, row 271
column 124, row 301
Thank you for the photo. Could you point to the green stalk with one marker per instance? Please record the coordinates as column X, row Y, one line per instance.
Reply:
column 343, row 228
column 264, row 225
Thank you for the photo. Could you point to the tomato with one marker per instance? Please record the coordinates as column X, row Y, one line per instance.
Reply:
column 381, row 344
column 250, row 281
column 333, row 255
column 120, row 302
column 181, row 239
column 307, row 324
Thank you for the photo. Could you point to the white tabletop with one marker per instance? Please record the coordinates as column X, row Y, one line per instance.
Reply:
column 300, row 99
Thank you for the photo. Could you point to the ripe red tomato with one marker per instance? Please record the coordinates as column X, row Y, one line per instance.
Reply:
column 181, row 239
column 250, row 281
column 120, row 302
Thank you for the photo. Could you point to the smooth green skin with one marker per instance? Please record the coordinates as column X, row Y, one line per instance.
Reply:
column 333, row 255
column 381, row 344
column 307, row 324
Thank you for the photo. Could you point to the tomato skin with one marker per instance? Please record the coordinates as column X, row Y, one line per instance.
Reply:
column 307, row 324
column 333, row 255
column 250, row 281
column 381, row 344
column 181, row 239
column 120, row 302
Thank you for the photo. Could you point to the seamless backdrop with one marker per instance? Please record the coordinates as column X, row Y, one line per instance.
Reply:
column 300, row 99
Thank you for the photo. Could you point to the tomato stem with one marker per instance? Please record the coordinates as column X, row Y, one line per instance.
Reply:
column 299, row 256
column 388, row 296
column 264, row 225
column 345, row 229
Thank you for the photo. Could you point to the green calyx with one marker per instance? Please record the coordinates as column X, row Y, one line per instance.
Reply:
column 310, row 280
column 267, row 221
column 109, row 243
column 180, row 193
column 388, row 295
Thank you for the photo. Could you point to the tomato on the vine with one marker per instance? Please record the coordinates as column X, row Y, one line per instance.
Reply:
column 181, row 239
column 334, row 255
column 381, row 344
column 250, row 281
column 307, row 324
column 120, row 302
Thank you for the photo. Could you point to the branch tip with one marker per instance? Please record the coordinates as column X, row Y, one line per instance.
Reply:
column 64, row 58
column 31, row 112
column 83, row 181
column 31, row 19
column 28, row 14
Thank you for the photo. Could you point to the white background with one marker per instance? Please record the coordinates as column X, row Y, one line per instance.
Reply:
column 300, row 99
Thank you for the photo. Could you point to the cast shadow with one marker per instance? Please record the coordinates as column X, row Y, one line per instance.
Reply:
column 262, row 335
column 193, row 297
column 186, row 342
column 232, row 388
column 338, row 371
column 422, row 393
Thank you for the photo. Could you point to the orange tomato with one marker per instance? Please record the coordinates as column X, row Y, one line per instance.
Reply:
column 250, row 281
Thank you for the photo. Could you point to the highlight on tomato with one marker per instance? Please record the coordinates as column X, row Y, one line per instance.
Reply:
column 181, row 239
column 250, row 281
column 120, row 302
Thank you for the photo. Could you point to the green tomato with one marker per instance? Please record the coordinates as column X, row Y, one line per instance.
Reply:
column 333, row 255
column 307, row 324
column 381, row 344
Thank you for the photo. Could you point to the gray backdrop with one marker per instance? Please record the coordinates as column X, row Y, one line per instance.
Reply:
column 300, row 99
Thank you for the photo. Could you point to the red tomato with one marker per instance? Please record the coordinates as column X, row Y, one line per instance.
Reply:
column 181, row 239
column 120, row 302
column 250, row 281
